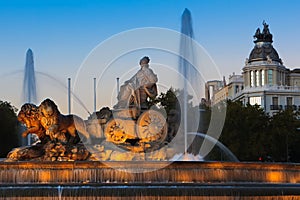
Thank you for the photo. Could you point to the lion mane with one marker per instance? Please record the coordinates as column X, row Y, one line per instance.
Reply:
column 29, row 116
column 65, row 128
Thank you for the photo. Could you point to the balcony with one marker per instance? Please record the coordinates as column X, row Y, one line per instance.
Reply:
column 285, row 89
column 275, row 107
column 290, row 107
column 274, row 88
column 286, row 107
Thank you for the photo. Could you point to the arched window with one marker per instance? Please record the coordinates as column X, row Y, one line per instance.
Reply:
column 270, row 77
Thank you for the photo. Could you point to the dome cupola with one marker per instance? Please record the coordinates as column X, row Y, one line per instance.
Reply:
column 263, row 49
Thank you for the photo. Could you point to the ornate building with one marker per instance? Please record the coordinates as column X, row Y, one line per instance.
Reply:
column 265, row 80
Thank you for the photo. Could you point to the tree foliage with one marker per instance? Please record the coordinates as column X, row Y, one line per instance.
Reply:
column 9, row 127
column 284, row 136
column 252, row 135
column 244, row 130
column 168, row 100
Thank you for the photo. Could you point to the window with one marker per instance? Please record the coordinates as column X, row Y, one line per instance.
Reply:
column 289, row 101
column 251, row 79
column 270, row 77
column 255, row 100
column 274, row 100
column 211, row 92
column 236, row 89
column 257, row 78
column 262, row 77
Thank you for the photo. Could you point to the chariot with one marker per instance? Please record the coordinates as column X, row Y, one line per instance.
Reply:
column 133, row 124
column 136, row 127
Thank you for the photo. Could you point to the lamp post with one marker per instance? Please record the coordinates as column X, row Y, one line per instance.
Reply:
column 69, row 95
column 95, row 100
column 118, row 85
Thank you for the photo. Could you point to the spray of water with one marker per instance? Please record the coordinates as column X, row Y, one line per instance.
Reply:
column 61, row 84
column 29, row 85
column 188, row 71
column 203, row 152
column 77, row 99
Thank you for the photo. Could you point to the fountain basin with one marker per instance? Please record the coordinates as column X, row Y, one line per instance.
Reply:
column 159, row 172
column 152, row 191
column 112, row 180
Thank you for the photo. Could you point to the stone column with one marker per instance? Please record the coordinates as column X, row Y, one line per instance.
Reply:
column 263, row 77
column 275, row 77
column 246, row 76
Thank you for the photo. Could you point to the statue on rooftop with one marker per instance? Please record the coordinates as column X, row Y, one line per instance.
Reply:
column 258, row 34
column 265, row 36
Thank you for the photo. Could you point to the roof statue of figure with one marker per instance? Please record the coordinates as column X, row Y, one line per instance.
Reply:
column 265, row 36
column 263, row 49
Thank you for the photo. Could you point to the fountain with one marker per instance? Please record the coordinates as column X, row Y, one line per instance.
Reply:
column 29, row 84
column 125, row 154
column 186, row 69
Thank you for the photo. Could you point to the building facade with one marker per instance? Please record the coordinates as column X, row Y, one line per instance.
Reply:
column 211, row 89
column 265, row 81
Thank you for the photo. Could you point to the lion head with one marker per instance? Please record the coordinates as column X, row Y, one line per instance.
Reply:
column 60, row 127
column 28, row 111
column 48, row 109
column 29, row 116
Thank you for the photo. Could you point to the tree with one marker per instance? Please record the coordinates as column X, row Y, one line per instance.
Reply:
column 9, row 127
column 251, row 134
column 284, row 137
column 244, row 130
column 167, row 101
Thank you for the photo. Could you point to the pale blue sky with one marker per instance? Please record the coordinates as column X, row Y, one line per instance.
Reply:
column 62, row 33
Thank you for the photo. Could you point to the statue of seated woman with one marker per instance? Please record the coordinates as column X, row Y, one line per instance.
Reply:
column 135, row 91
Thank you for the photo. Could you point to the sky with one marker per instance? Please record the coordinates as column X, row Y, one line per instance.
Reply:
column 63, row 34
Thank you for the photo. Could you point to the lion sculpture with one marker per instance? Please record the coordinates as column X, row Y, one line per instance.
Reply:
column 65, row 128
column 29, row 116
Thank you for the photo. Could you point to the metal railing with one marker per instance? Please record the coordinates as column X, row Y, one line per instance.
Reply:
column 286, row 107
column 275, row 107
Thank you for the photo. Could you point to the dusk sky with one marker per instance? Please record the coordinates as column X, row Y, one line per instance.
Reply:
column 62, row 33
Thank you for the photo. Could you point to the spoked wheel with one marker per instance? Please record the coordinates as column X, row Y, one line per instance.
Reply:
column 115, row 131
column 152, row 127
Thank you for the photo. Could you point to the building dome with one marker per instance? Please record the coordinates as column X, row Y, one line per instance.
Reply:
column 263, row 49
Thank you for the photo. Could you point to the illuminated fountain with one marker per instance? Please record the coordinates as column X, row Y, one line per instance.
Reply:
column 185, row 67
column 99, row 169
column 29, row 90
column 29, row 83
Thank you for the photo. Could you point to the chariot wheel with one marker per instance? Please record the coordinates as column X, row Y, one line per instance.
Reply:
column 115, row 131
column 152, row 127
